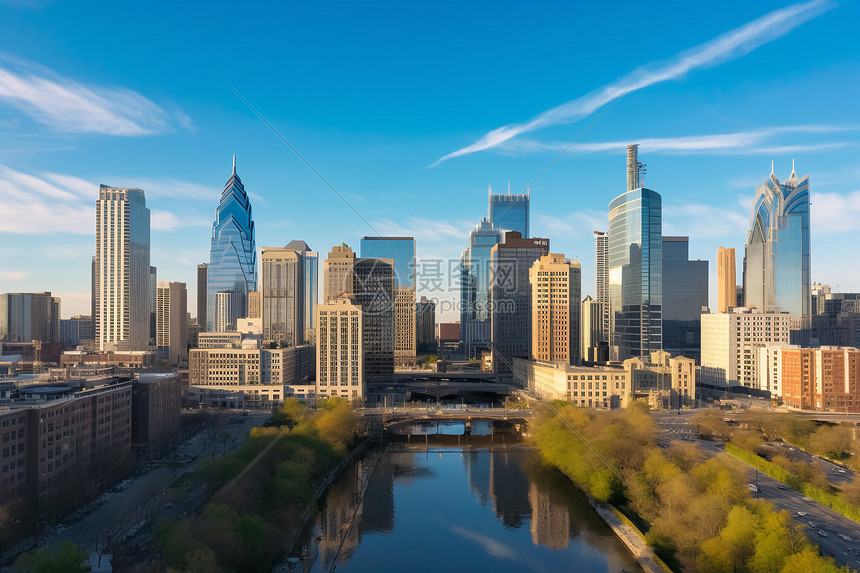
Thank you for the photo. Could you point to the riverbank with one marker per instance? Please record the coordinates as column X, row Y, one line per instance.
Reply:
column 631, row 537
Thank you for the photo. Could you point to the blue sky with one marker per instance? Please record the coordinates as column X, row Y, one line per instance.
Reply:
column 374, row 95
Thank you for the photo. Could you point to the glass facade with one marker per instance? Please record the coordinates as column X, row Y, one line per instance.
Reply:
column 685, row 292
column 635, row 273
column 475, row 265
column 776, row 264
column 310, row 291
column 510, row 213
column 232, row 268
column 399, row 249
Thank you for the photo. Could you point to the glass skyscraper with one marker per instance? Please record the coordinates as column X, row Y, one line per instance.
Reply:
column 635, row 268
column 776, row 263
column 685, row 292
column 510, row 213
column 475, row 330
column 311, row 262
column 232, row 269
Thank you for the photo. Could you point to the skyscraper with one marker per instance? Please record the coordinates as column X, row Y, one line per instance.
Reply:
column 401, row 250
column 510, row 298
column 26, row 316
column 591, row 329
column 201, row 294
column 338, row 272
column 685, row 293
column 172, row 322
column 153, row 291
column 340, row 352
column 510, row 212
column 283, row 295
column 232, row 258
column 311, row 262
column 475, row 327
column 556, row 286
column 374, row 290
column 425, row 325
column 601, row 282
column 726, row 282
column 635, row 267
column 776, row 260
column 123, row 296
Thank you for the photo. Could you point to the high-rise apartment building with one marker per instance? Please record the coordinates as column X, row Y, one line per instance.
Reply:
column 731, row 342
column 777, row 257
column 635, row 267
column 726, row 281
column 310, row 271
column 373, row 282
column 338, row 271
column 340, row 350
column 685, row 294
column 510, row 212
column 123, row 293
column 425, row 325
column 556, row 287
column 153, row 291
column 201, row 294
column 232, row 269
column 601, row 282
column 510, row 299
column 283, row 296
column 591, row 329
column 401, row 250
column 25, row 317
column 475, row 324
column 172, row 321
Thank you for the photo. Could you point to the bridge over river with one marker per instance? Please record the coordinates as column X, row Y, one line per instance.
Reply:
column 448, row 424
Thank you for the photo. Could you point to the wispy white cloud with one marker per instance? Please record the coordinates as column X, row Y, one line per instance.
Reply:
column 729, row 46
column 768, row 140
column 491, row 546
column 835, row 213
column 169, row 188
column 700, row 220
column 13, row 275
column 578, row 223
column 425, row 230
column 69, row 106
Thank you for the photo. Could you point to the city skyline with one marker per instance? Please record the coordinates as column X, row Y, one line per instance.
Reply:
column 705, row 159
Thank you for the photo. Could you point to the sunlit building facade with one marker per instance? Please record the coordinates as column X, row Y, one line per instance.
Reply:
column 232, row 269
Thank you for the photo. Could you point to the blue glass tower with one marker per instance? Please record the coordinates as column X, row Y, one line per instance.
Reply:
column 510, row 213
column 635, row 267
column 400, row 249
column 475, row 324
column 776, row 263
column 232, row 271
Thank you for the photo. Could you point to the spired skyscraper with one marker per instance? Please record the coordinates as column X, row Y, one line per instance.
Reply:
column 635, row 267
column 122, row 291
column 776, row 261
column 510, row 212
column 232, row 269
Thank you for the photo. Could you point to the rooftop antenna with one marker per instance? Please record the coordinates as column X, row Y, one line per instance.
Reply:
column 509, row 187
column 234, row 164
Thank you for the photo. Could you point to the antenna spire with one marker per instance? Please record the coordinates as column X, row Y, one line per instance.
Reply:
column 771, row 166
column 234, row 164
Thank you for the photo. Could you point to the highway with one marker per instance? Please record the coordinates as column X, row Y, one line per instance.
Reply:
column 837, row 536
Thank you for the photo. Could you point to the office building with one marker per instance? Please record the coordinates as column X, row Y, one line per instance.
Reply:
column 556, row 289
column 374, row 292
column 601, row 282
column 510, row 299
column 591, row 330
column 731, row 342
column 76, row 330
column 635, row 267
column 26, row 316
column 338, row 270
column 172, row 322
column 232, row 269
column 509, row 212
column 153, row 291
column 726, row 291
column 283, row 296
column 255, row 305
column 156, row 408
column 123, row 289
column 401, row 250
column 777, row 256
column 685, row 294
column 202, row 281
column 310, row 289
column 340, row 352
column 425, row 325
column 819, row 291
column 475, row 322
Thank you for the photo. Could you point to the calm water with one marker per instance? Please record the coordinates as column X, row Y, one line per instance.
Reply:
column 450, row 509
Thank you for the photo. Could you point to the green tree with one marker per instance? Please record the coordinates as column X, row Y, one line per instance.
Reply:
column 808, row 561
column 67, row 558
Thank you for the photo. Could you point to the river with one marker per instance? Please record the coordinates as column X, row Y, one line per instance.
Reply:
column 441, row 509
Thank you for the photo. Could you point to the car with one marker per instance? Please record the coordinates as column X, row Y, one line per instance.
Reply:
column 844, row 537
column 168, row 505
column 783, row 487
column 801, row 513
column 822, row 533
column 753, row 488
column 853, row 551
column 813, row 524
column 806, row 498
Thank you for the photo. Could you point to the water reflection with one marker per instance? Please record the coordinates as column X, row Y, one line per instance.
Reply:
column 450, row 509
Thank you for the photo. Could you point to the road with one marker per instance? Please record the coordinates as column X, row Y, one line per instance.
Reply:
column 838, row 536
column 144, row 498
